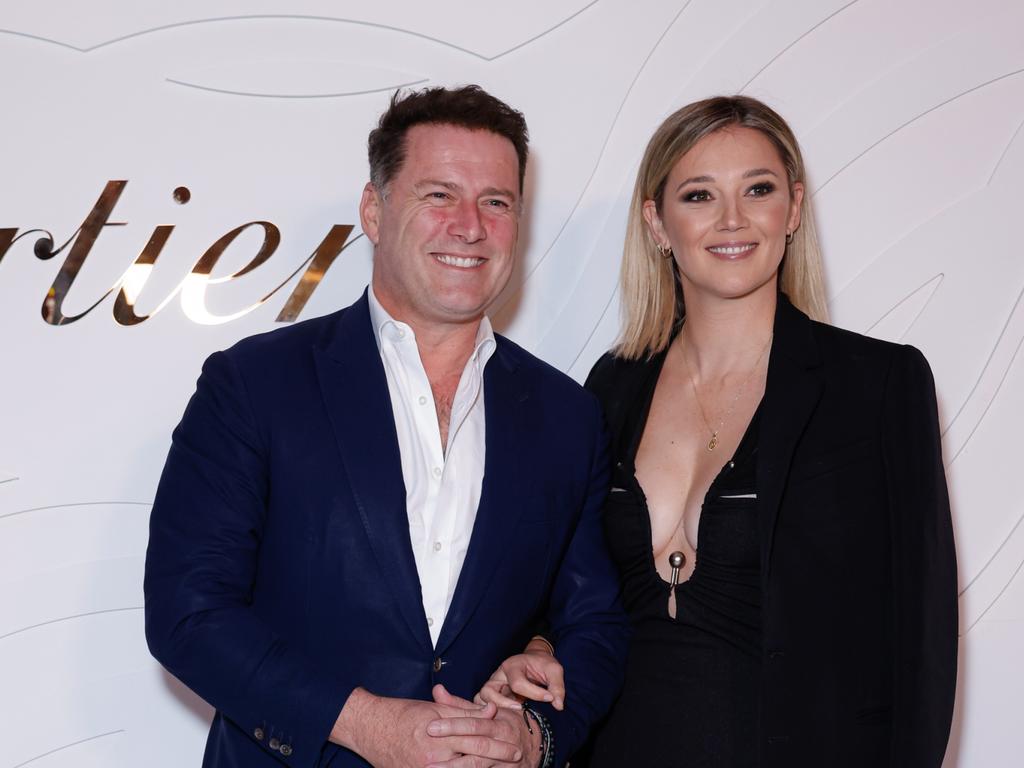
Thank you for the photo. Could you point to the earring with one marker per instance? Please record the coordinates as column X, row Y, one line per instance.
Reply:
column 664, row 250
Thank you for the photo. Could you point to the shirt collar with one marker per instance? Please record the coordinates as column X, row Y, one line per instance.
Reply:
column 386, row 327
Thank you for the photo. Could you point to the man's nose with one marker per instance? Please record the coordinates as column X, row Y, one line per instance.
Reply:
column 466, row 222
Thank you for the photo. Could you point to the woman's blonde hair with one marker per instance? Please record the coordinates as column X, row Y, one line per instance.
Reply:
column 652, row 304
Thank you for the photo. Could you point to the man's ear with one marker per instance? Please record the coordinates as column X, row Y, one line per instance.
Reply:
column 369, row 212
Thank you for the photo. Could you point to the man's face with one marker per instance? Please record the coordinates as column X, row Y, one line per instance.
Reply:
column 445, row 234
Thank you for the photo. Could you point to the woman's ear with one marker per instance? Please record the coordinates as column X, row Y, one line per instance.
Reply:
column 653, row 219
column 796, row 202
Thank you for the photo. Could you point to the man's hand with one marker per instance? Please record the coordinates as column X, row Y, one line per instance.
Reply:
column 508, row 726
column 535, row 675
column 393, row 733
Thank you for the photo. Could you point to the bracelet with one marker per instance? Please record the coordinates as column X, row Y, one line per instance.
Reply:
column 547, row 735
column 551, row 648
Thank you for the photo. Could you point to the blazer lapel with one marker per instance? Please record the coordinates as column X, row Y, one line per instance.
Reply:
column 792, row 392
column 355, row 391
column 497, row 515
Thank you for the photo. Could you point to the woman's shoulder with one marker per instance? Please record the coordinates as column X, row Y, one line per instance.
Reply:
column 840, row 345
column 863, row 364
column 613, row 373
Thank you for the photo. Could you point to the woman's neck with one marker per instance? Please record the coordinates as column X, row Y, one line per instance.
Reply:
column 724, row 336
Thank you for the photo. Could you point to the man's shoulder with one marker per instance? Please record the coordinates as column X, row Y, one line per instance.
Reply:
column 286, row 341
column 541, row 374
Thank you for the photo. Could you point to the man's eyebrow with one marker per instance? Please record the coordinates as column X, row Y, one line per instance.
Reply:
column 498, row 192
column 451, row 185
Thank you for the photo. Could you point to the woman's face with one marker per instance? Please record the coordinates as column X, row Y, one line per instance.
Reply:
column 727, row 207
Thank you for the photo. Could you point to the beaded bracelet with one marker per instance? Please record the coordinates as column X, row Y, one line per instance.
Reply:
column 547, row 735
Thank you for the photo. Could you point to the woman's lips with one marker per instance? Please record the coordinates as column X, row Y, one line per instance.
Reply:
column 732, row 250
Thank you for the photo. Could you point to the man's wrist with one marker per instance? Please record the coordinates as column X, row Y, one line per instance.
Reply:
column 352, row 718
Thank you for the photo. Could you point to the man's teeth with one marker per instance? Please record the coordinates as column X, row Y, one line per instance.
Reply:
column 459, row 261
column 731, row 250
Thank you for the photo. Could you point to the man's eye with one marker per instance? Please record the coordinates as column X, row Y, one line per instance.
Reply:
column 497, row 204
column 697, row 196
column 762, row 189
column 437, row 195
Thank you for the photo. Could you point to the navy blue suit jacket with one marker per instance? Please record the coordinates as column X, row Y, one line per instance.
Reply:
column 280, row 574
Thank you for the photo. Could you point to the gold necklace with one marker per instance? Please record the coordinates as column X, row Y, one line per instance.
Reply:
column 713, row 442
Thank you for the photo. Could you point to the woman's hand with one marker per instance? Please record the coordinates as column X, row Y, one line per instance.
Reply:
column 534, row 674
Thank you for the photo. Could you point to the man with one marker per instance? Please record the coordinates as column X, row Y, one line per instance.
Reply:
column 362, row 508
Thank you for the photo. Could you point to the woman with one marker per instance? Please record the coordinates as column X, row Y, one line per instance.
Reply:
column 778, row 508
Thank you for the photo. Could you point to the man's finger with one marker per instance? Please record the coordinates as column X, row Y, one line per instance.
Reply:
column 483, row 746
column 497, row 696
column 471, row 726
column 467, row 761
column 442, row 696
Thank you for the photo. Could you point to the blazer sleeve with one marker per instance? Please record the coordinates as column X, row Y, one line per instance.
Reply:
column 923, row 565
column 589, row 628
column 204, row 542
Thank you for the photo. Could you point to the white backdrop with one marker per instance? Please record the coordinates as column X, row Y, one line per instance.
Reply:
column 910, row 113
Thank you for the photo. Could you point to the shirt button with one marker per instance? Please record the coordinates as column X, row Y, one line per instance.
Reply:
column 286, row 749
column 274, row 744
column 430, row 622
column 437, row 546
column 258, row 734
column 423, row 400
column 400, row 334
column 437, row 471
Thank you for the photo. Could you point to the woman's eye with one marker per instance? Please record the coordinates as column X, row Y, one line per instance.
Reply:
column 762, row 189
column 697, row 196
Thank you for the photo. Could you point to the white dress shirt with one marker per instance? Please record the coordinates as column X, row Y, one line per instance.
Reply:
column 442, row 490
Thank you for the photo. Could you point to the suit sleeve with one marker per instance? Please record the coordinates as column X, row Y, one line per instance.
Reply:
column 924, row 566
column 589, row 628
column 205, row 534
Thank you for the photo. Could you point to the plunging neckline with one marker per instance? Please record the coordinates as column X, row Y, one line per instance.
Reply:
column 629, row 465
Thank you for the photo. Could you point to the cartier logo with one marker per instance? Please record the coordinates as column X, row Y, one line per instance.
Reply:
column 195, row 284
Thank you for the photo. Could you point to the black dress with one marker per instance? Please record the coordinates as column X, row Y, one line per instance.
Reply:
column 690, row 698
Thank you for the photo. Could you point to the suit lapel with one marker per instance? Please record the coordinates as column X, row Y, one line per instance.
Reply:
column 355, row 392
column 792, row 392
column 505, row 396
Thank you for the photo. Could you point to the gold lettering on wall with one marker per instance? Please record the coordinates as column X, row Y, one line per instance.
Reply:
column 83, row 240
column 193, row 288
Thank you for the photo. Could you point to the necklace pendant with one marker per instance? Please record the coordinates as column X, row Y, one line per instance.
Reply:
column 713, row 442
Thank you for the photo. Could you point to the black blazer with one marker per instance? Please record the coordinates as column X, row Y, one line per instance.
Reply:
column 858, row 568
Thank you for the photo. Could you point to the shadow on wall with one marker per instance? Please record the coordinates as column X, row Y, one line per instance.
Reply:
column 953, row 748
column 506, row 306
column 199, row 709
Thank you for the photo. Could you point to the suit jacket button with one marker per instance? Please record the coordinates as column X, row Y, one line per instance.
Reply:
column 286, row 749
column 274, row 744
column 258, row 734
column 438, row 664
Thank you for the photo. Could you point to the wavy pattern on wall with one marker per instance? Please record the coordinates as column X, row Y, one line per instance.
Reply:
column 912, row 120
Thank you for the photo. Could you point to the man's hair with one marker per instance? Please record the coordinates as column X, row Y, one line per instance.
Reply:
column 467, row 107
